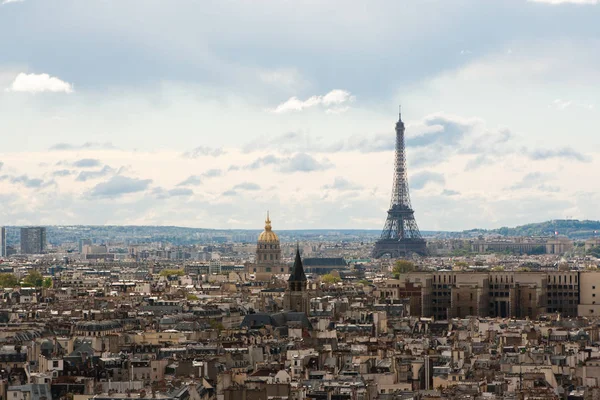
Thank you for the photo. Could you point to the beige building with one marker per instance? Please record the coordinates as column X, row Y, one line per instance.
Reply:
column 268, row 255
column 589, row 294
column 591, row 243
column 451, row 294
column 524, row 245
column 559, row 245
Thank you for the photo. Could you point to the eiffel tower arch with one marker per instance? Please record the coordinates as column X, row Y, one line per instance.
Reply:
column 400, row 236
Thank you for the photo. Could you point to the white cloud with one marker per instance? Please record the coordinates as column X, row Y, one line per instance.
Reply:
column 560, row 104
column 11, row 1
column 334, row 99
column 287, row 78
column 556, row 2
column 342, row 193
column 37, row 83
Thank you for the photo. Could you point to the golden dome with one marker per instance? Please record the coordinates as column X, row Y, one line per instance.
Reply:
column 268, row 236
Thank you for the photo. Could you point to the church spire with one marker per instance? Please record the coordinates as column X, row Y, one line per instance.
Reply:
column 297, row 274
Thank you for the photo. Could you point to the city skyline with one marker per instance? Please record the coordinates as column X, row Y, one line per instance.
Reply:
column 179, row 125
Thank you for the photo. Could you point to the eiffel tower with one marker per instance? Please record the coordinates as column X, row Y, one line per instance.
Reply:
column 400, row 236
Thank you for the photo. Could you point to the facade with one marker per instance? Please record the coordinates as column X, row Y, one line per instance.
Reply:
column 400, row 236
column 3, row 249
column 324, row 265
column 296, row 297
column 82, row 243
column 214, row 267
column 454, row 294
column 589, row 294
column 524, row 245
column 268, row 255
column 33, row 240
column 591, row 243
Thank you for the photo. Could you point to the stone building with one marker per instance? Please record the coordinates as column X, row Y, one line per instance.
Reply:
column 524, row 245
column 268, row 255
column 450, row 294
column 296, row 297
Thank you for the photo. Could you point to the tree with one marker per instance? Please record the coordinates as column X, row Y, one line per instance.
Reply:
column 8, row 281
column 402, row 267
column 594, row 251
column 538, row 250
column 172, row 272
column 497, row 268
column 47, row 283
column 214, row 324
column 33, row 279
column 330, row 278
column 192, row 297
column 461, row 264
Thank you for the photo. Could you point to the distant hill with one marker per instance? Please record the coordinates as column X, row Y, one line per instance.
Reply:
column 127, row 234
column 184, row 236
column 571, row 228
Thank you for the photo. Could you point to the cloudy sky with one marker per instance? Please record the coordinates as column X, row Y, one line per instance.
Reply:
column 208, row 113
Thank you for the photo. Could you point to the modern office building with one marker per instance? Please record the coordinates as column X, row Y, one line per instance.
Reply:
column 214, row 267
column 3, row 249
column 33, row 240
column 82, row 243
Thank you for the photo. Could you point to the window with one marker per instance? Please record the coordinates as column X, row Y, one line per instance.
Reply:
column 529, row 296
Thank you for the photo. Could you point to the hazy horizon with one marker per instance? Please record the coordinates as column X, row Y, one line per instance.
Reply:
column 208, row 114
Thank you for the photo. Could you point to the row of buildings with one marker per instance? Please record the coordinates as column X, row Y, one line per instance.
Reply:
column 557, row 245
column 504, row 294
column 127, row 331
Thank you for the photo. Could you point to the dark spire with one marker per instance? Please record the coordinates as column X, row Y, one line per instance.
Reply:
column 297, row 274
column 399, row 113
